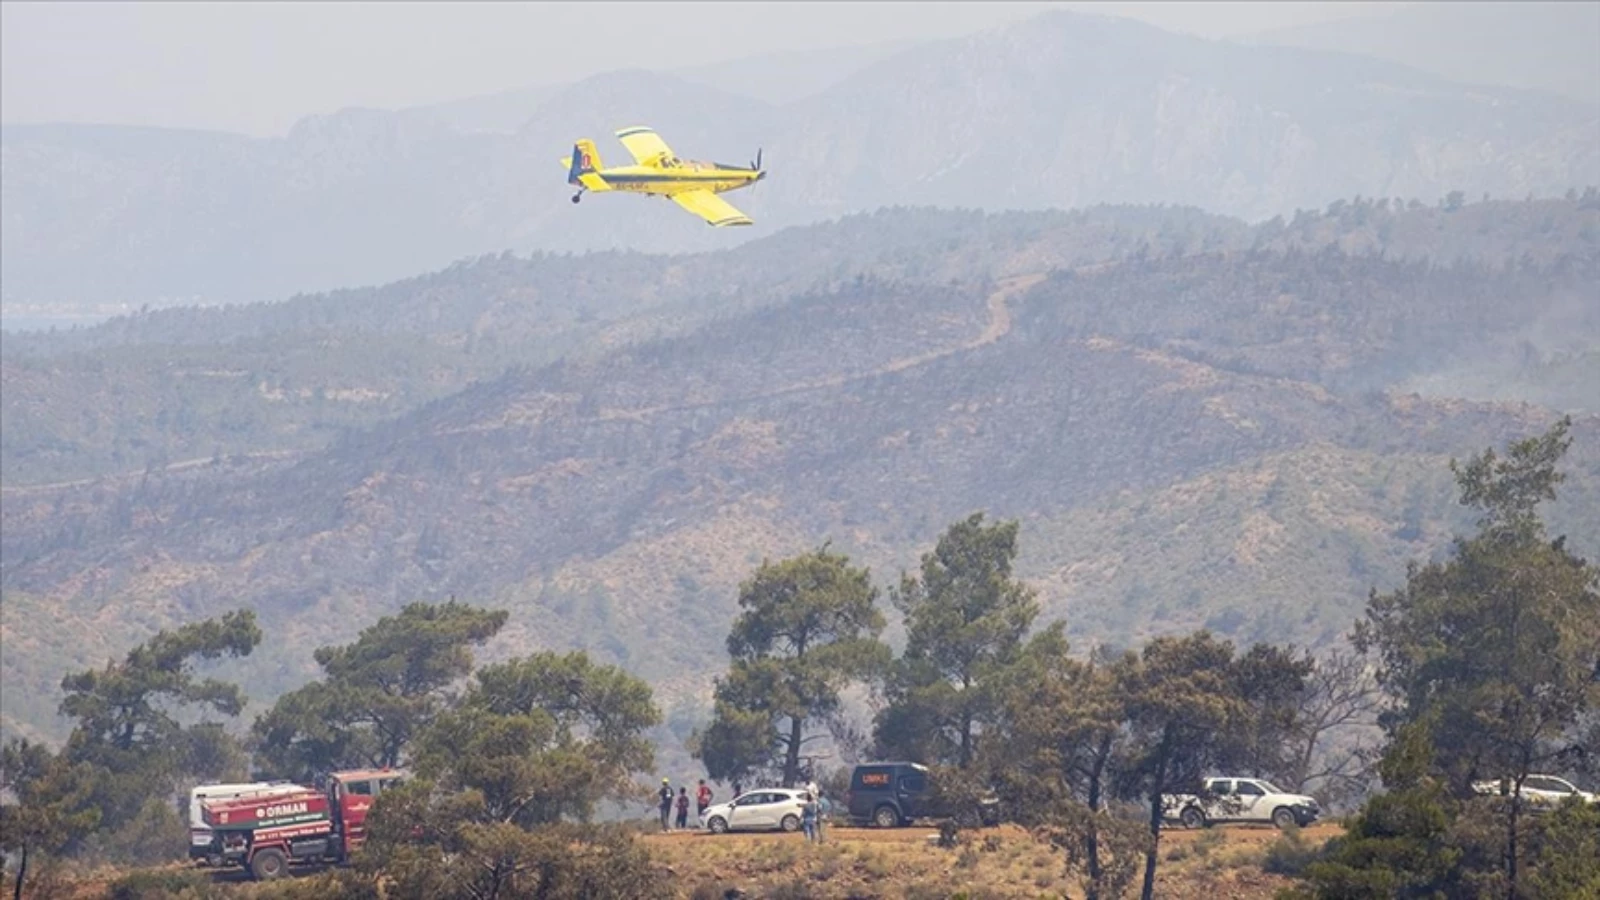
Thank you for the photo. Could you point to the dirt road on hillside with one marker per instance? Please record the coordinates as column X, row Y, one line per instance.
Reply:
column 998, row 326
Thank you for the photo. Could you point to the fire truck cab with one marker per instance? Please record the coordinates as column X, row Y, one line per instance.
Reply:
column 267, row 835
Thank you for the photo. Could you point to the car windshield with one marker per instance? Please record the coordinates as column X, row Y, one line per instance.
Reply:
column 1270, row 788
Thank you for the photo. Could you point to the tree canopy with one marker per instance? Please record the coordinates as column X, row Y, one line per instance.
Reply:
column 966, row 620
column 505, row 777
column 1492, row 660
column 809, row 627
column 378, row 692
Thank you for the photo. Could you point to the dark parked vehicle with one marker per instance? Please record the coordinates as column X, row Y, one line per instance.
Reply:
column 890, row 794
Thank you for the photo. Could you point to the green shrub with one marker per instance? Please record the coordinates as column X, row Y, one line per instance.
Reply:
column 162, row 884
column 344, row 884
column 155, row 835
column 797, row 889
column 1209, row 840
column 1290, row 854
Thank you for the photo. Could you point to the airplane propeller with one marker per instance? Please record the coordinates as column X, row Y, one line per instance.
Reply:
column 756, row 167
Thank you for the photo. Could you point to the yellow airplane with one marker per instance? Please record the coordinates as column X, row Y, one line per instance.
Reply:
column 692, row 184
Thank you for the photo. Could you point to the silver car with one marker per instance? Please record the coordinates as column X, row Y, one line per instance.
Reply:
column 1541, row 790
column 761, row 809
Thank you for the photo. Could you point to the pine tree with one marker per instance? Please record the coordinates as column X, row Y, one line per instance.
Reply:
column 966, row 619
column 810, row 627
column 1497, row 647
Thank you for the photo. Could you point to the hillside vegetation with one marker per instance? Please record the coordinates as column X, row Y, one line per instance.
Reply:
column 1110, row 378
column 1047, row 769
column 175, row 385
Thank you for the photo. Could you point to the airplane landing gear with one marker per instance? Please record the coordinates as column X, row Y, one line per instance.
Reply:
column 576, row 197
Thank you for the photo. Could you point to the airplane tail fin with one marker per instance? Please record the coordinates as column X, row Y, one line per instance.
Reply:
column 585, row 160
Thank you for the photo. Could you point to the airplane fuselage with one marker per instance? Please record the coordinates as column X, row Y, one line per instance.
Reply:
column 673, row 179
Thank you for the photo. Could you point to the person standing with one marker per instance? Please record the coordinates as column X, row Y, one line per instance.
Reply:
column 683, row 807
column 737, row 790
column 808, row 817
column 664, row 797
column 702, row 798
column 824, row 809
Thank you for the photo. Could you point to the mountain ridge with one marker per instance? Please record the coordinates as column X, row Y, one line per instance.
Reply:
column 1250, row 132
column 1470, row 42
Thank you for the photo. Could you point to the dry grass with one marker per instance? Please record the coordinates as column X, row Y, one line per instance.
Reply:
column 870, row 864
column 905, row 864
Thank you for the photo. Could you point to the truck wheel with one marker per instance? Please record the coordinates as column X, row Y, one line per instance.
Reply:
column 1283, row 817
column 885, row 817
column 1193, row 818
column 719, row 825
column 790, row 822
column 268, row 864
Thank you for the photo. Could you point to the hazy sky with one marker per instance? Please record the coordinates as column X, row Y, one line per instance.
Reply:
column 258, row 67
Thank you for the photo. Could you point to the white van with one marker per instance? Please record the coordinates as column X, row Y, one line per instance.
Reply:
column 202, row 843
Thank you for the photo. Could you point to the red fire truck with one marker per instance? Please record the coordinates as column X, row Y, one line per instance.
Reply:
column 267, row 835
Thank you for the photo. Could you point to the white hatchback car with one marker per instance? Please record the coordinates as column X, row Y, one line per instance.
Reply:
column 761, row 809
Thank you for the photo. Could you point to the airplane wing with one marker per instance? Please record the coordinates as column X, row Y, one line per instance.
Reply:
column 715, row 210
column 647, row 147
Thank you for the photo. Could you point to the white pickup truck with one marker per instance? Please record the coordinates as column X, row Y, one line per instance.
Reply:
column 1541, row 791
column 1241, row 800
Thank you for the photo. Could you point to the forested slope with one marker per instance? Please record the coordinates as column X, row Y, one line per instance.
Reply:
column 1173, row 461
